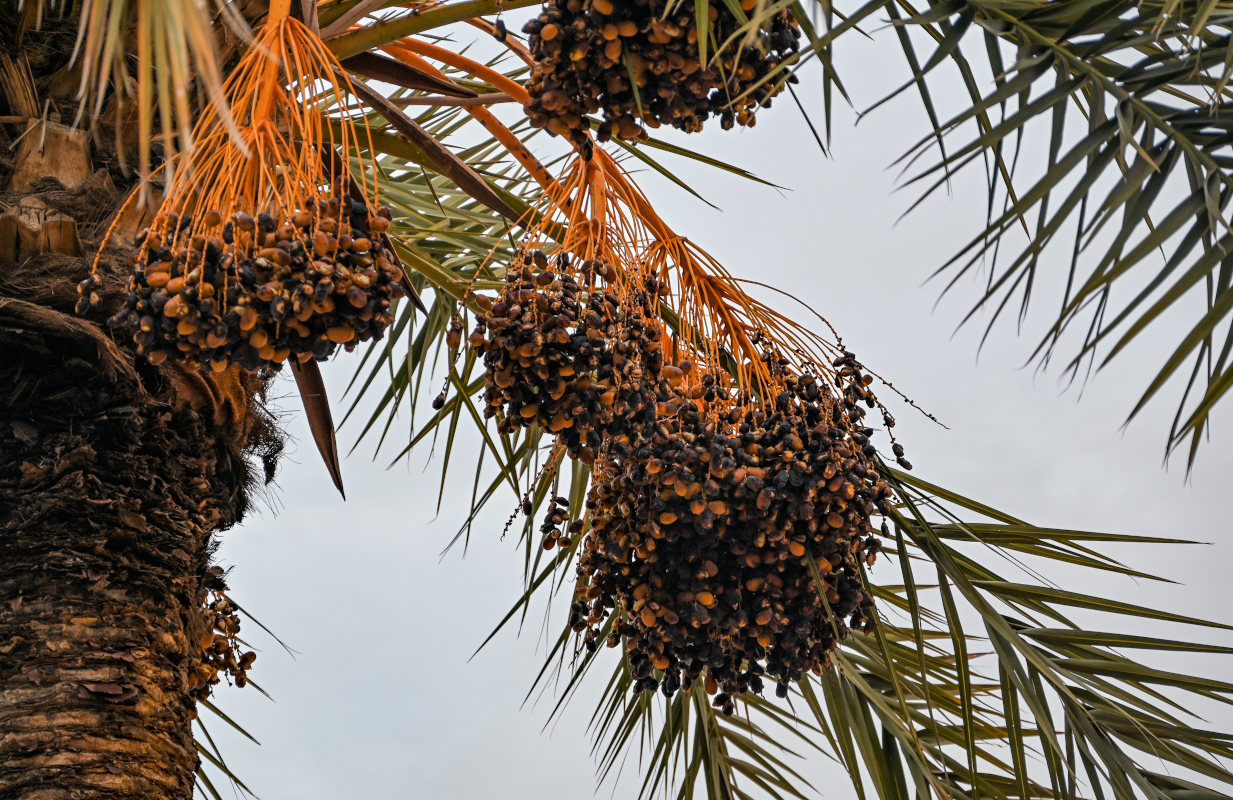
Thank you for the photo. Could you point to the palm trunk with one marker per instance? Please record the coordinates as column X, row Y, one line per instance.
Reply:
column 113, row 476
column 108, row 498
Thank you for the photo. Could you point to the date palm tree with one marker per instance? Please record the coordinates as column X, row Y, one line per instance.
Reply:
column 135, row 126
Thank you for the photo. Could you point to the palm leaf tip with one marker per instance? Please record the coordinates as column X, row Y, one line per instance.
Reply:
column 1137, row 172
column 320, row 421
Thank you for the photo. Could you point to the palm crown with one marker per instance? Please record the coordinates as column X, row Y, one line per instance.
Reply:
column 964, row 681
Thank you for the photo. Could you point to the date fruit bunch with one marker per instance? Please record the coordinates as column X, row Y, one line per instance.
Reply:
column 638, row 62
column 256, row 290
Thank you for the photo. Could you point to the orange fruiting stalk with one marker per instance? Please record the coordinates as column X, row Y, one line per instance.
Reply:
column 408, row 51
column 718, row 325
column 607, row 217
column 268, row 245
column 284, row 94
column 595, row 211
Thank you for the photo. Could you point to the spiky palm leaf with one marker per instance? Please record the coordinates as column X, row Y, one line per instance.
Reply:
column 1042, row 688
column 892, row 709
column 1131, row 106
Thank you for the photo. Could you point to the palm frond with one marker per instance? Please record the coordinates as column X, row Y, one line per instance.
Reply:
column 212, row 760
column 981, row 678
column 987, row 688
column 414, row 20
column 1131, row 102
column 976, row 683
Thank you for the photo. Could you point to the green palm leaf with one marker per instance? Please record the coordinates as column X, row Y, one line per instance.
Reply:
column 976, row 684
column 1131, row 196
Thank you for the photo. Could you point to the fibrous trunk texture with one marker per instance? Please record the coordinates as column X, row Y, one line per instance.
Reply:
column 108, row 498
column 113, row 474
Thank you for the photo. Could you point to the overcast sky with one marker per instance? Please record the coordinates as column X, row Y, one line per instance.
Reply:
column 382, row 701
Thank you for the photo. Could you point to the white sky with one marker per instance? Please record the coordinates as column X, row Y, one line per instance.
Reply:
column 382, row 701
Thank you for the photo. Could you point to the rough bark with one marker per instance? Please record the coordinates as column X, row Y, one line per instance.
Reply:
column 108, row 497
column 113, row 476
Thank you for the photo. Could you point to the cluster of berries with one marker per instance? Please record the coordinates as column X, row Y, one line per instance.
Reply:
column 639, row 62
column 255, row 291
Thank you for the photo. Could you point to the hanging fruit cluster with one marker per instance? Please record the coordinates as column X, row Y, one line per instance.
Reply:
column 256, row 291
column 567, row 356
column 730, row 540
column 638, row 61
column 555, row 532
column 727, row 525
column 221, row 651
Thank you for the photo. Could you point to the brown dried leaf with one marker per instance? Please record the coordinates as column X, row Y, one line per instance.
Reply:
column 131, row 520
column 109, row 692
column 450, row 165
column 320, row 421
column 381, row 68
